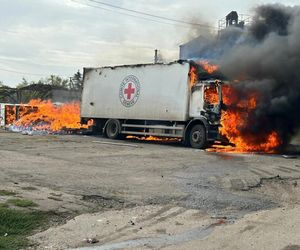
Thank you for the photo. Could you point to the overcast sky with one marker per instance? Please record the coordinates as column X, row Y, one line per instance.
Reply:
column 44, row 37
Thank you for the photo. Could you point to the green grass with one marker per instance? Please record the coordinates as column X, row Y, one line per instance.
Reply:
column 13, row 243
column 6, row 193
column 21, row 203
column 3, row 205
column 18, row 225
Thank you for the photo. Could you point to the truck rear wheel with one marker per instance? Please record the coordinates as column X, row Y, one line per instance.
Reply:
column 197, row 137
column 112, row 129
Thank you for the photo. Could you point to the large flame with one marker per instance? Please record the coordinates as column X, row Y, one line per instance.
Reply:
column 237, row 120
column 45, row 115
column 208, row 67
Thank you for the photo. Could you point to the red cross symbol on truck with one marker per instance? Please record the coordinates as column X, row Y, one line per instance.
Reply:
column 129, row 91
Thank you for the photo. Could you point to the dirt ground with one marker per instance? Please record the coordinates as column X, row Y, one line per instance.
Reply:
column 144, row 195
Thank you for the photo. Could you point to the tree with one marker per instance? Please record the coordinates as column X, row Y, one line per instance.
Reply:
column 24, row 83
column 42, row 89
column 76, row 81
column 57, row 81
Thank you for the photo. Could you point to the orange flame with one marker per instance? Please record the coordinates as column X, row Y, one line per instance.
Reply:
column 10, row 114
column 193, row 76
column 45, row 115
column 14, row 112
column 152, row 138
column 211, row 95
column 236, row 120
column 208, row 67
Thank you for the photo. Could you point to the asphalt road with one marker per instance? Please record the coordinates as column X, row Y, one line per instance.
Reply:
column 129, row 173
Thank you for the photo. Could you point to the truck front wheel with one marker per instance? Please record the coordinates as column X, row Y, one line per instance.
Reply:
column 112, row 129
column 197, row 137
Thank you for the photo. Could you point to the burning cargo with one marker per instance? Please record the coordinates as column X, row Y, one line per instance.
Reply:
column 165, row 100
column 42, row 117
column 11, row 113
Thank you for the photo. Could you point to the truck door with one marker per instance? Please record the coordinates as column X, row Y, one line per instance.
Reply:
column 212, row 98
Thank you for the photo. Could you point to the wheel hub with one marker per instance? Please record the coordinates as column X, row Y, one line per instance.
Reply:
column 196, row 136
column 113, row 128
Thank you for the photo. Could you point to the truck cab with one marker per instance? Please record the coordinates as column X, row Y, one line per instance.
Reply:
column 205, row 110
column 206, row 100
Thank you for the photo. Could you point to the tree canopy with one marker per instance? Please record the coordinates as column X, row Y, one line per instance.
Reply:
column 27, row 90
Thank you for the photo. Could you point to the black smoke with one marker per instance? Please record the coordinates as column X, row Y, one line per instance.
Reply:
column 266, row 59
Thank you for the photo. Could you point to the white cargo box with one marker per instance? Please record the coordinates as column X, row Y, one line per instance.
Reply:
column 146, row 92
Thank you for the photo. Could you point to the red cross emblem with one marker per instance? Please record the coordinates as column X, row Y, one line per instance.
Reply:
column 129, row 91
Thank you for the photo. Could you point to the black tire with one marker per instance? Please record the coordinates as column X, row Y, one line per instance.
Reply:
column 97, row 128
column 112, row 129
column 197, row 137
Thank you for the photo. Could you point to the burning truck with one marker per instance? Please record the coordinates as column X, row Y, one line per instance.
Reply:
column 176, row 100
column 257, row 110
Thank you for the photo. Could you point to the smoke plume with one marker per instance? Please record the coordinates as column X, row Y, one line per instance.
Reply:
column 266, row 60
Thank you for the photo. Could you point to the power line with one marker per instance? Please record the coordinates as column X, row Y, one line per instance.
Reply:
column 183, row 24
column 151, row 15
column 126, row 14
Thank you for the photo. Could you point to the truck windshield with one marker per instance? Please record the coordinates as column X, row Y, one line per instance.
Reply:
column 211, row 94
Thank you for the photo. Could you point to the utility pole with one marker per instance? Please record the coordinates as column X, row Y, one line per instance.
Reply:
column 155, row 56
